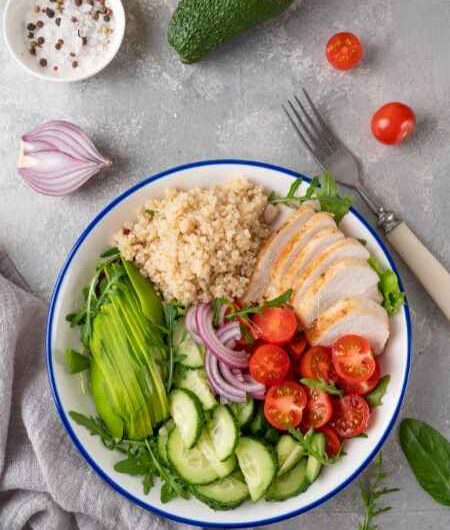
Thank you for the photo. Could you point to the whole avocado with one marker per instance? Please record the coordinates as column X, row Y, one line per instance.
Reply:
column 199, row 26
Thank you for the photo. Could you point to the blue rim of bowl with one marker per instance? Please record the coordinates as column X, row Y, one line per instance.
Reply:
column 65, row 419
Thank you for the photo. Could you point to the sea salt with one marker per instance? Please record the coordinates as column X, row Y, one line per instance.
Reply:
column 63, row 35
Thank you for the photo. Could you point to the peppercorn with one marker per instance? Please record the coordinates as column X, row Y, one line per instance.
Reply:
column 40, row 24
column 43, row 62
column 78, row 2
column 41, row 41
column 32, row 50
column 106, row 18
column 75, row 64
column 30, row 35
column 58, row 21
column 31, row 26
column 84, row 41
column 50, row 13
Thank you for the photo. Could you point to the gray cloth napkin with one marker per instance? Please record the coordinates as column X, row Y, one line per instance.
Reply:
column 44, row 483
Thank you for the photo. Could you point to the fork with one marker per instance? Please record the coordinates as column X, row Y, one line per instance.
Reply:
column 332, row 155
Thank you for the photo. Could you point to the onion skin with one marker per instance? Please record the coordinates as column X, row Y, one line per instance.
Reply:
column 57, row 158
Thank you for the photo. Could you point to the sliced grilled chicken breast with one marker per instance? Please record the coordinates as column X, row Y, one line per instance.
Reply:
column 359, row 316
column 320, row 241
column 271, row 250
column 343, row 248
column 346, row 278
column 297, row 242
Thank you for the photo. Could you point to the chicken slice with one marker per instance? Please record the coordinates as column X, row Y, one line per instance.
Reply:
column 296, row 243
column 320, row 241
column 346, row 278
column 271, row 250
column 343, row 248
column 358, row 316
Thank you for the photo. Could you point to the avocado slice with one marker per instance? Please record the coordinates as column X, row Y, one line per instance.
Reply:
column 150, row 302
column 199, row 26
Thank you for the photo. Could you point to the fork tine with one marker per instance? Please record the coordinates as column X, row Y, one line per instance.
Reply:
column 301, row 136
column 315, row 141
column 327, row 130
column 318, row 132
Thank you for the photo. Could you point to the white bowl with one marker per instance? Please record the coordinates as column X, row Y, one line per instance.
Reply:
column 14, row 21
column 76, row 272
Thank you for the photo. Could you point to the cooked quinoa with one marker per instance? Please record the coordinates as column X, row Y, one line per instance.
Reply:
column 198, row 244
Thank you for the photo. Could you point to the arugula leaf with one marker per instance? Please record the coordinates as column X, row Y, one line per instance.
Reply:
column 110, row 252
column 393, row 298
column 371, row 491
column 428, row 454
column 96, row 427
column 76, row 362
column 274, row 302
column 305, row 441
column 323, row 189
column 134, row 466
column 329, row 388
column 375, row 398
column 217, row 306
column 172, row 311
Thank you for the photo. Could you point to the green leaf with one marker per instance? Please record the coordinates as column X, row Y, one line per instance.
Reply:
column 150, row 213
column 428, row 454
column 375, row 398
column 393, row 298
column 279, row 301
column 217, row 306
column 148, row 483
column 94, row 425
column 167, row 493
column 76, row 362
column 133, row 466
column 110, row 252
column 329, row 388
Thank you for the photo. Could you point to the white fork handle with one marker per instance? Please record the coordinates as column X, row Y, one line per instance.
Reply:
column 423, row 264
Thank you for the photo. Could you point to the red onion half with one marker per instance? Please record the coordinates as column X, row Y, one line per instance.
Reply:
column 57, row 158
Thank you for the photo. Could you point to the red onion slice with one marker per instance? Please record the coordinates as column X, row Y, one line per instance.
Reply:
column 211, row 341
column 219, row 385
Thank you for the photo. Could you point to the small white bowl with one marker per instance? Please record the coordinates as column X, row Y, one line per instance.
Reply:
column 14, row 21
column 78, row 269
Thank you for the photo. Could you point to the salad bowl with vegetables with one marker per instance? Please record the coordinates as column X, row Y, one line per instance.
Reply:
column 232, row 412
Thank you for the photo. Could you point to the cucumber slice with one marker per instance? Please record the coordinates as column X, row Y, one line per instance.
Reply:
column 224, row 432
column 190, row 464
column 163, row 436
column 313, row 466
column 258, row 464
column 223, row 494
column 186, row 411
column 289, row 453
column 196, row 381
column 290, row 484
column 186, row 346
column 223, row 469
column 243, row 412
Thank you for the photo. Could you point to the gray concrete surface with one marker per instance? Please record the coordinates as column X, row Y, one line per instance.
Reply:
column 150, row 112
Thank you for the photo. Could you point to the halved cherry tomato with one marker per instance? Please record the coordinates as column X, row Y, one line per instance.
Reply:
column 269, row 364
column 316, row 363
column 352, row 359
column 276, row 325
column 284, row 404
column 344, row 51
column 361, row 388
column 333, row 442
column 318, row 410
column 351, row 416
column 297, row 347
column 393, row 122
